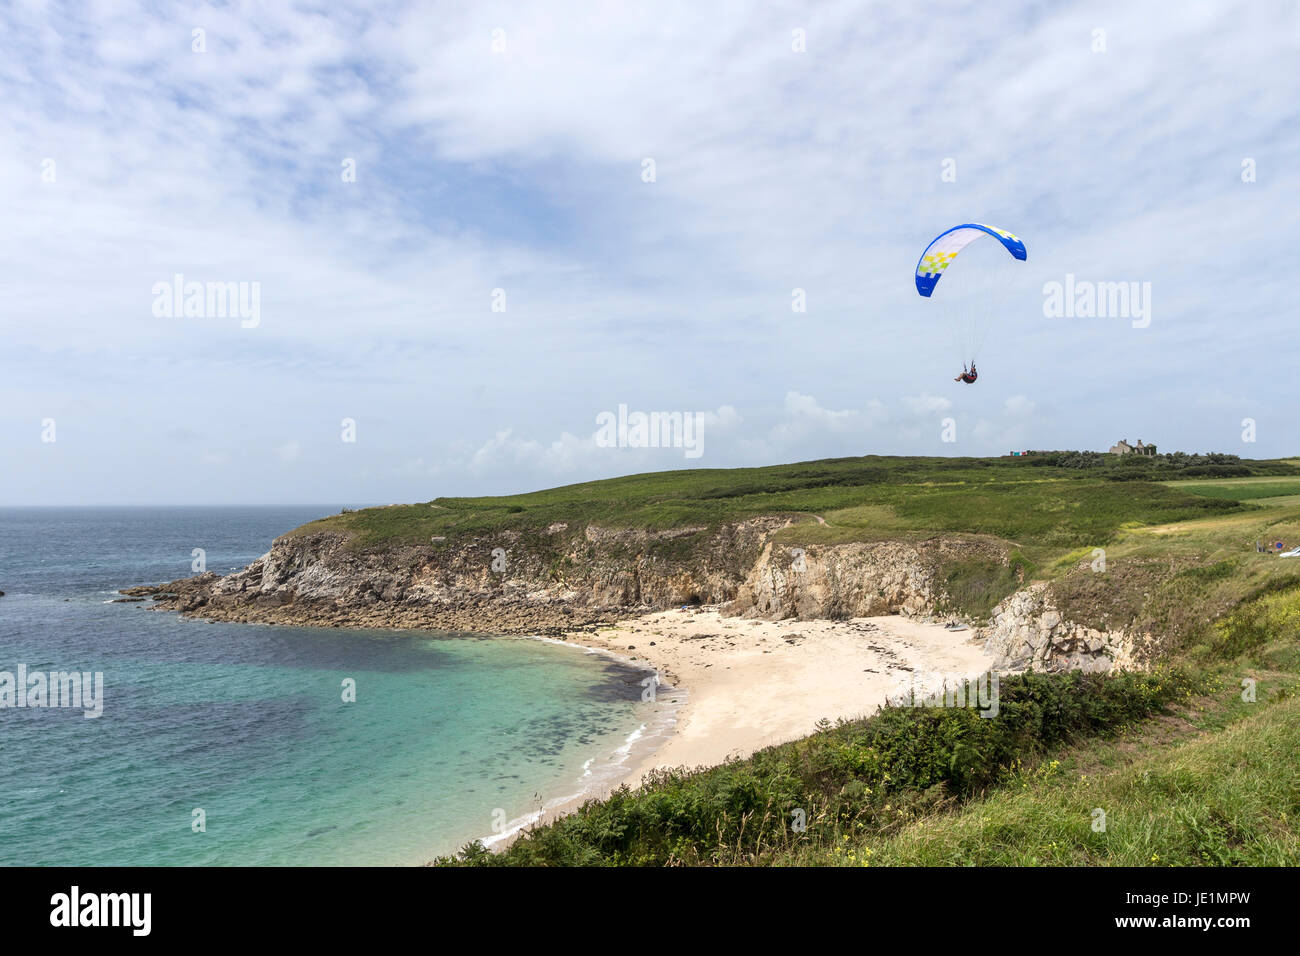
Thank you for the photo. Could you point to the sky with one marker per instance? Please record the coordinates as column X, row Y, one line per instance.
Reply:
column 474, row 230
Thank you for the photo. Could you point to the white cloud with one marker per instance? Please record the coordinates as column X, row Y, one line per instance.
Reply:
column 776, row 170
column 1018, row 406
column 806, row 407
column 504, row 452
column 1013, row 429
column 805, row 422
column 926, row 405
column 725, row 417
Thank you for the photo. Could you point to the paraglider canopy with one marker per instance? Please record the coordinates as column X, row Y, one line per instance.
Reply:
column 979, row 289
column 944, row 247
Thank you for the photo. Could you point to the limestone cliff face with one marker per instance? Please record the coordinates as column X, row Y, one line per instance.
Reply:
column 562, row 578
column 1027, row 632
column 510, row 581
column 839, row 581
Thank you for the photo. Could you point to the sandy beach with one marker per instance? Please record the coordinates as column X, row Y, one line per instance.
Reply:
column 753, row 683
column 750, row 683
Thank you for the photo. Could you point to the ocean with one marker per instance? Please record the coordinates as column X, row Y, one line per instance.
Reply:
column 232, row 744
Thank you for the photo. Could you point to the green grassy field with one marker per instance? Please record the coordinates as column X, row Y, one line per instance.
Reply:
column 1053, row 501
column 1223, row 799
column 1215, row 782
column 1240, row 489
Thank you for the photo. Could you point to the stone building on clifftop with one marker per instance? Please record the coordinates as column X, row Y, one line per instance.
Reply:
column 1124, row 448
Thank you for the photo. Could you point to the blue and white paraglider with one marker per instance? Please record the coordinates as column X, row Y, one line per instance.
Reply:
column 982, row 287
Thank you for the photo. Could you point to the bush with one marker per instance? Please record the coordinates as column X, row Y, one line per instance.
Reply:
column 869, row 774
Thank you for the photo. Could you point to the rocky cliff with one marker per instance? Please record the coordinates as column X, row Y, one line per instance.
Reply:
column 563, row 578
column 1027, row 632
column 852, row 580
column 512, row 581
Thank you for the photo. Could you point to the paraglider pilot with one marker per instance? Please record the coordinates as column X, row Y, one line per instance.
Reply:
column 965, row 376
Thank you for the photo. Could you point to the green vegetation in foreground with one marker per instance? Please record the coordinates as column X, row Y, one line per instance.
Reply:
column 859, row 779
column 1219, row 785
column 1224, row 799
column 1186, row 771
column 1057, row 499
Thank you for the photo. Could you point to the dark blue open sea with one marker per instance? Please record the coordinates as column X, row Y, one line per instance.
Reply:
column 450, row 735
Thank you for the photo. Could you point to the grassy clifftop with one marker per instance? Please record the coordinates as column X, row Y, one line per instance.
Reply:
column 1043, row 514
column 1053, row 499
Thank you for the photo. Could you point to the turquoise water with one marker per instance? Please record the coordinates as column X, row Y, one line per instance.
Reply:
column 450, row 734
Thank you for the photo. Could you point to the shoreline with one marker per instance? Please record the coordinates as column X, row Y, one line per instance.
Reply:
column 743, row 684
column 610, row 769
column 733, row 685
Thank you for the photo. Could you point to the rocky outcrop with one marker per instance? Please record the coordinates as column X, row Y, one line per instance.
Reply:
column 1027, row 632
column 544, row 582
column 841, row 581
column 566, row 579
column 562, row 578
